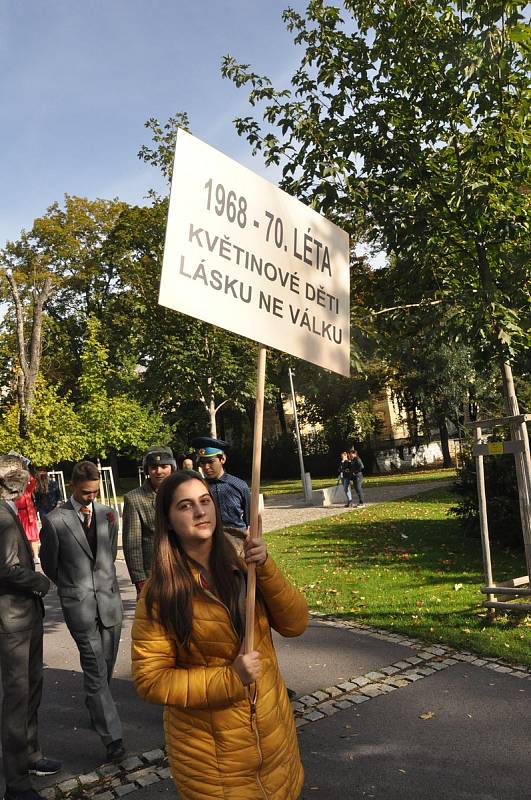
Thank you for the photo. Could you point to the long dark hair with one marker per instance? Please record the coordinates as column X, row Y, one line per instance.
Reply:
column 42, row 481
column 171, row 586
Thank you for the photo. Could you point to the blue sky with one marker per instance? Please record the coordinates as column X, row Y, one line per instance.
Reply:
column 78, row 79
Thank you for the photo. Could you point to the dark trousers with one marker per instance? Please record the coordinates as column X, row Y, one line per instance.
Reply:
column 357, row 482
column 21, row 666
column 98, row 648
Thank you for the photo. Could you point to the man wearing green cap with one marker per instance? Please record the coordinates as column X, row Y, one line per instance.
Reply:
column 231, row 494
column 139, row 514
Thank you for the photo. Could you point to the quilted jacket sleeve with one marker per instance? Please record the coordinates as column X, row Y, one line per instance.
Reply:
column 158, row 678
column 287, row 607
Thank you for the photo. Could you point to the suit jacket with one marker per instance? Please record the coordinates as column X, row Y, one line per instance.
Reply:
column 87, row 586
column 138, row 528
column 21, row 587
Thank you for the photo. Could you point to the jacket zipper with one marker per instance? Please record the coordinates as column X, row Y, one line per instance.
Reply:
column 252, row 701
column 254, row 728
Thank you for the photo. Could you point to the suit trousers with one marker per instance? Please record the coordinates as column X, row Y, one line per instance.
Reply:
column 98, row 649
column 21, row 667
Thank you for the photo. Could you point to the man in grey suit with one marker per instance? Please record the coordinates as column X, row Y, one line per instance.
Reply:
column 79, row 542
column 21, row 613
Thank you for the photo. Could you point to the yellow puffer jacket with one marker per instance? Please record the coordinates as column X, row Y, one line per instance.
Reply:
column 219, row 749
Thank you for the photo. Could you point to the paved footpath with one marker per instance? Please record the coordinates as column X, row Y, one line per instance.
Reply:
column 283, row 510
column 379, row 715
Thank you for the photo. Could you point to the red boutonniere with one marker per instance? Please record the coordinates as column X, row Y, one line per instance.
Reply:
column 110, row 517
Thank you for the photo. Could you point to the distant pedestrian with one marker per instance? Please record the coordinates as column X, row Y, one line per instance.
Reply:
column 21, row 614
column 138, row 524
column 345, row 476
column 47, row 493
column 186, row 462
column 357, row 467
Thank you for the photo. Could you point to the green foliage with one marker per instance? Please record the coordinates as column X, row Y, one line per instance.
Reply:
column 163, row 136
column 71, row 244
column 501, row 488
column 116, row 422
column 408, row 125
column 55, row 433
column 431, row 377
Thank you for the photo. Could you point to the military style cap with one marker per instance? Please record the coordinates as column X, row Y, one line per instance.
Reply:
column 207, row 446
column 159, row 455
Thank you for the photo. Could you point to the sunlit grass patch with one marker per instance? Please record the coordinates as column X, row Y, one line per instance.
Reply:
column 405, row 566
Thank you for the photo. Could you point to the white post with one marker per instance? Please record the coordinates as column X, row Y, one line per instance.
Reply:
column 307, row 495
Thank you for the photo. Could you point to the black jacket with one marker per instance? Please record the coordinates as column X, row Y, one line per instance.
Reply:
column 21, row 587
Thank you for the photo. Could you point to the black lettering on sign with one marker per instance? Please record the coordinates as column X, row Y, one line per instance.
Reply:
column 271, row 304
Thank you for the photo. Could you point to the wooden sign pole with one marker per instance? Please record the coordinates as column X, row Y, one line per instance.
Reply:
column 255, row 496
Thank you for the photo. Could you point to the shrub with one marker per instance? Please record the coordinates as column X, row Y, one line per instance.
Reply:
column 503, row 511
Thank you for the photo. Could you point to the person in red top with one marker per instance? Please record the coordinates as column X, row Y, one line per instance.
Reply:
column 28, row 515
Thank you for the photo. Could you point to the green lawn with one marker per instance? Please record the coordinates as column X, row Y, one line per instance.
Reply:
column 404, row 566
column 294, row 484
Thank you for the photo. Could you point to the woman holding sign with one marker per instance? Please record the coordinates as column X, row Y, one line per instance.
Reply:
column 228, row 723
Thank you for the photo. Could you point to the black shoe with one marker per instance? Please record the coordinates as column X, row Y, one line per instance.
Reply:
column 45, row 766
column 22, row 794
column 291, row 693
column 115, row 750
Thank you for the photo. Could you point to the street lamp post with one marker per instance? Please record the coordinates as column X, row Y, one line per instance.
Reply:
column 305, row 486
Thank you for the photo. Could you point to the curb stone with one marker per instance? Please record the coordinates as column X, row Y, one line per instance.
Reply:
column 113, row 781
column 359, row 688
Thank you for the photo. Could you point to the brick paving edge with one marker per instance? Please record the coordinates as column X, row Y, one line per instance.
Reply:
column 430, row 658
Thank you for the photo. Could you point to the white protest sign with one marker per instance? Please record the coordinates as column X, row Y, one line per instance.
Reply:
column 243, row 255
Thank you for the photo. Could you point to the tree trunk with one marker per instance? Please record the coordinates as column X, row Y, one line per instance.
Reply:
column 279, row 403
column 212, row 414
column 445, row 446
column 522, row 461
column 29, row 363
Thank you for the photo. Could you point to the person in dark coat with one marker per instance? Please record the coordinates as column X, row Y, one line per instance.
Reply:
column 21, row 615
column 357, row 467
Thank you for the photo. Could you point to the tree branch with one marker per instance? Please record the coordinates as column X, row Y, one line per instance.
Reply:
column 408, row 305
column 221, row 404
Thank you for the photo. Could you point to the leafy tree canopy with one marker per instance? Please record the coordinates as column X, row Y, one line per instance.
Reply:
column 116, row 422
column 407, row 122
column 55, row 431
